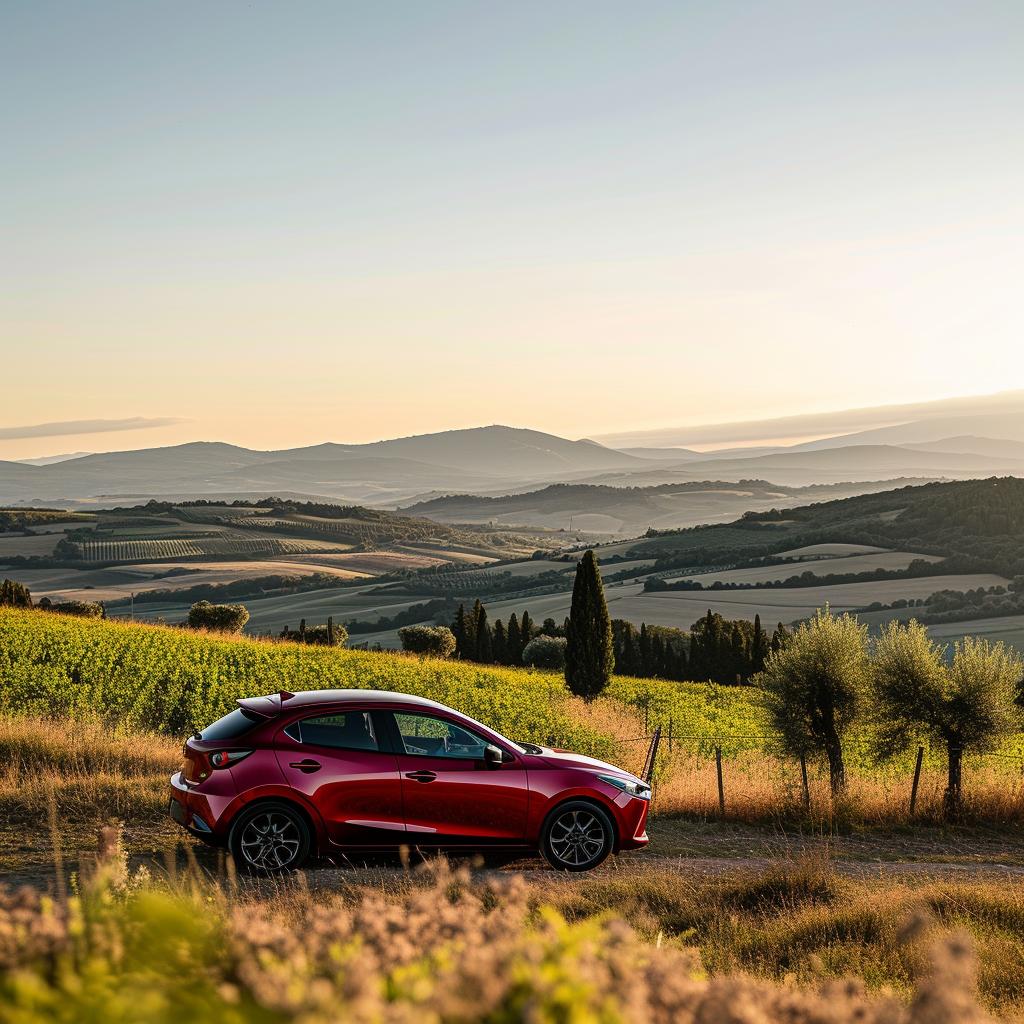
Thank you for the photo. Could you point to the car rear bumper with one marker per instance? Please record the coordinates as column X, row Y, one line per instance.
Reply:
column 184, row 810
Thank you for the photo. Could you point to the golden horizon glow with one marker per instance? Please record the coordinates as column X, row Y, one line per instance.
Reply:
column 370, row 223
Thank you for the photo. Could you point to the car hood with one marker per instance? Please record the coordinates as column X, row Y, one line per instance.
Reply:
column 567, row 759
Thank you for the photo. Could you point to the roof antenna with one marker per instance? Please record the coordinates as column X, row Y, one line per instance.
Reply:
column 286, row 695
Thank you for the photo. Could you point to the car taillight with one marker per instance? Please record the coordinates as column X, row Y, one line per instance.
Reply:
column 226, row 758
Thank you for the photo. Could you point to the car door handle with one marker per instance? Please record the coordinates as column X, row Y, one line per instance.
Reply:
column 421, row 776
column 308, row 766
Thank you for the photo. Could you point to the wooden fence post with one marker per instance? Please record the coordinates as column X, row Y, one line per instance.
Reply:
column 917, row 779
column 721, row 785
column 302, row 631
column 330, row 630
column 803, row 777
column 652, row 755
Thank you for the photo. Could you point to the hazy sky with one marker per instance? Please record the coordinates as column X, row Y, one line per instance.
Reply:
column 282, row 223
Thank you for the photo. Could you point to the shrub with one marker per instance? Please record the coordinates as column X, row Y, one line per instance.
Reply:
column 83, row 609
column 224, row 618
column 545, row 652
column 14, row 595
column 325, row 635
column 436, row 641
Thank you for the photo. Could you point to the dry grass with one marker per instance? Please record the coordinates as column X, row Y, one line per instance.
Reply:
column 444, row 946
column 91, row 771
column 761, row 788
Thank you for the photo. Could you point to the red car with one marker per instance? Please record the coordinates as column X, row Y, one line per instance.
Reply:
column 287, row 776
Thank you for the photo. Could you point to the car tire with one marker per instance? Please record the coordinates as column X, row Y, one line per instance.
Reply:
column 271, row 838
column 577, row 836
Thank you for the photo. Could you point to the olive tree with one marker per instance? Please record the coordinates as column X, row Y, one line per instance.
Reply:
column 967, row 704
column 814, row 688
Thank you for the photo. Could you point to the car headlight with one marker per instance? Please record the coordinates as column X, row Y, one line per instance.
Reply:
column 638, row 789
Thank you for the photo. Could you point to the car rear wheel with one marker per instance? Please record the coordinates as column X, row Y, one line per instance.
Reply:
column 577, row 836
column 270, row 839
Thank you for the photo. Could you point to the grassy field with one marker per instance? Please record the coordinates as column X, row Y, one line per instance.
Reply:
column 821, row 566
column 173, row 680
column 450, row 946
column 794, row 912
column 754, row 922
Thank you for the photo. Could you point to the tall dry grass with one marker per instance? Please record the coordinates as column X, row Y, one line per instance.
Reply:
column 447, row 948
column 92, row 771
column 761, row 788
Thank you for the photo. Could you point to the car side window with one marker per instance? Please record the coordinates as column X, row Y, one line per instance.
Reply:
column 437, row 737
column 350, row 731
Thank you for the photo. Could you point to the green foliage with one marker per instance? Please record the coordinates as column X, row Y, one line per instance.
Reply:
column 436, row 641
column 14, row 595
column 225, row 618
column 173, row 679
column 815, row 687
column 589, row 652
column 326, row 634
column 545, row 652
column 968, row 705
column 85, row 609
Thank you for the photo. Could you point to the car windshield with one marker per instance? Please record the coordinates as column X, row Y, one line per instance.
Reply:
column 518, row 748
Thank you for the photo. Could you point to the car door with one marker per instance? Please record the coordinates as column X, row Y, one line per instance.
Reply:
column 341, row 763
column 448, row 792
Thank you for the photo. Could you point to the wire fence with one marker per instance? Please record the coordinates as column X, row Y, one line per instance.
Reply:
column 666, row 751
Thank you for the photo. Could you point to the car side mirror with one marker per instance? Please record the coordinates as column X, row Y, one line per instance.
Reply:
column 493, row 757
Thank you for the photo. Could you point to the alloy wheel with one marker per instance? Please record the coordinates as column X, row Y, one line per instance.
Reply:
column 577, row 837
column 270, row 841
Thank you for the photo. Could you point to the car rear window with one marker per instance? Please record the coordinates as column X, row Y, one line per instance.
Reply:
column 234, row 724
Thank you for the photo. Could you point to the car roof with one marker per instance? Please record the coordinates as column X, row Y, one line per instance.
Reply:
column 273, row 704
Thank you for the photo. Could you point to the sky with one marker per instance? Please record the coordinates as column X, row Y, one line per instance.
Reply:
column 280, row 224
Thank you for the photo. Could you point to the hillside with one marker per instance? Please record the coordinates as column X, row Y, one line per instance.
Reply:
column 255, row 548
column 596, row 508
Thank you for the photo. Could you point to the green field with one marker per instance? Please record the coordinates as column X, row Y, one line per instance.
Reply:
column 175, row 680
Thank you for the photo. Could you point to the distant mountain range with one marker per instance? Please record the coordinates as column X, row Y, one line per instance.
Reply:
column 949, row 440
column 485, row 457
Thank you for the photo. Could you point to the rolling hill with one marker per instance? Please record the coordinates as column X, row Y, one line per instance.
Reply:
column 627, row 510
column 389, row 470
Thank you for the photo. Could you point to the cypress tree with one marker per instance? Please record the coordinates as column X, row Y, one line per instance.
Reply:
column 646, row 662
column 737, row 655
column 484, row 641
column 499, row 643
column 758, row 647
column 514, row 641
column 629, row 663
column 526, row 629
column 460, row 630
column 658, row 657
column 589, row 656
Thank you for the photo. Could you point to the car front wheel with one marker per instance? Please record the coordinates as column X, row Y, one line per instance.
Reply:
column 577, row 836
column 270, row 839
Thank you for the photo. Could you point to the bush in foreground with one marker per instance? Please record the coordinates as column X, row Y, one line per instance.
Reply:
column 126, row 950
